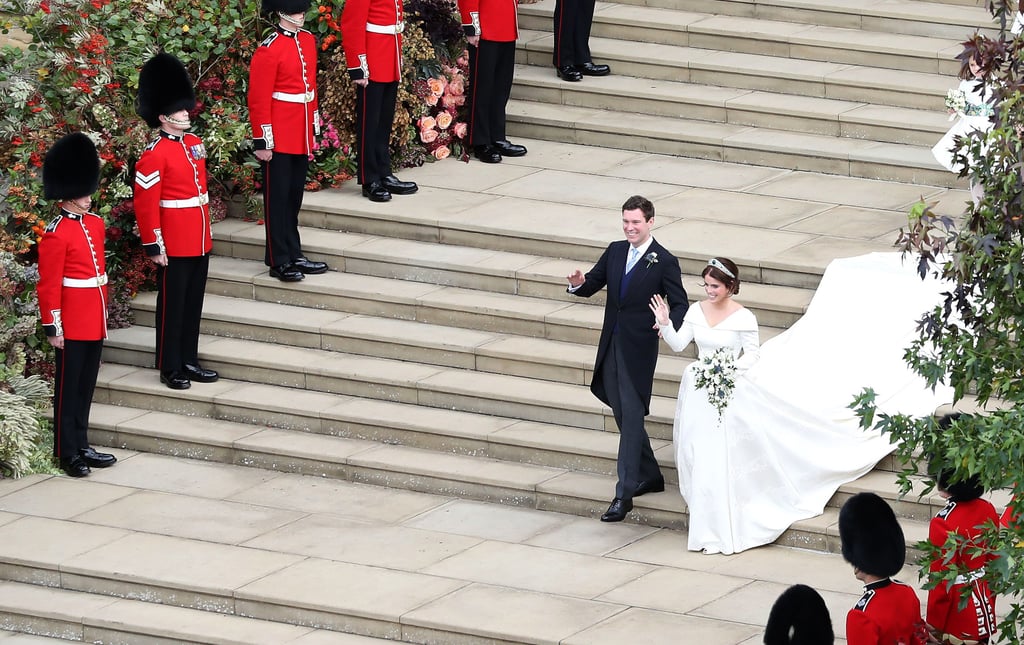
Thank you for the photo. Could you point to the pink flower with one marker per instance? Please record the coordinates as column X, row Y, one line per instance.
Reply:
column 444, row 120
column 428, row 136
column 456, row 87
column 427, row 122
column 460, row 130
column 431, row 100
column 450, row 101
column 437, row 86
column 442, row 152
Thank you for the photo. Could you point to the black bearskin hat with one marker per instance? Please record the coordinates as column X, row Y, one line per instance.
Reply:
column 872, row 538
column 799, row 617
column 286, row 6
column 71, row 168
column 164, row 88
column 960, row 490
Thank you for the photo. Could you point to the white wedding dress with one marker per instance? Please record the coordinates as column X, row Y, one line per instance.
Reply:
column 788, row 439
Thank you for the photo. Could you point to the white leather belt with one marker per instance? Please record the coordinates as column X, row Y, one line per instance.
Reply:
column 967, row 578
column 306, row 97
column 85, row 283
column 385, row 29
column 198, row 200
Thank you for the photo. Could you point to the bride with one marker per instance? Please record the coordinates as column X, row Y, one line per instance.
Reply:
column 786, row 440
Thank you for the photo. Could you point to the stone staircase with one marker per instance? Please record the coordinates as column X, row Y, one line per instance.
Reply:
column 442, row 354
column 841, row 88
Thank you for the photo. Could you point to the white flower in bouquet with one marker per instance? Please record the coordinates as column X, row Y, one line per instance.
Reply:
column 716, row 374
column 956, row 100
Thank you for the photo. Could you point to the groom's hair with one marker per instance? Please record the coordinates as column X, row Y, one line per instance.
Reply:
column 644, row 204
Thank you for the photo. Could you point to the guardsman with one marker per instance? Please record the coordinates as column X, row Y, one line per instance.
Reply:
column 571, row 55
column 285, row 118
column 491, row 28
column 73, row 297
column 889, row 612
column 371, row 34
column 172, row 208
column 953, row 616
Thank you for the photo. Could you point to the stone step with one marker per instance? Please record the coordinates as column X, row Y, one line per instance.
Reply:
column 955, row 19
column 740, row 70
column 102, row 617
column 337, row 556
column 570, row 321
column 469, row 271
column 794, row 41
column 317, row 370
column 408, row 340
column 438, row 471
column 740, row 107
column 727, row 142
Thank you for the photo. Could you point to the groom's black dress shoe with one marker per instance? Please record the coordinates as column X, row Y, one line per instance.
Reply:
column 97, row 459
column 75, row 466
column 200, row 374
column 618, row 509
column 652, row 486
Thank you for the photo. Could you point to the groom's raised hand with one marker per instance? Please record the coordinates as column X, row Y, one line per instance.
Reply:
column 576, row 278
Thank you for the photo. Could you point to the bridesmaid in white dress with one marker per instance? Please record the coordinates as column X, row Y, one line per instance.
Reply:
column 788, row 439
column 701, row 437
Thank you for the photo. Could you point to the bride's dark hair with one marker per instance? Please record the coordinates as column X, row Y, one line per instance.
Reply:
column 716, row 272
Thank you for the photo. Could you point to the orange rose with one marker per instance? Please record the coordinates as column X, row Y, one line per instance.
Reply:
column 442, row 152
column 431, row 99
column 427, row 123
column 444, row 120
column 436, row 86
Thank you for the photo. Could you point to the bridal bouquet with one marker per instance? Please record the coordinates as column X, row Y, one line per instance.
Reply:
column 716, row 373
column 956, row 100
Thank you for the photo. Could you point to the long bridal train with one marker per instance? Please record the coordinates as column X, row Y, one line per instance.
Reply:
column 788, row 439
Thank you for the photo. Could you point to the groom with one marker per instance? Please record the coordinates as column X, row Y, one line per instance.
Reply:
column 634, row 269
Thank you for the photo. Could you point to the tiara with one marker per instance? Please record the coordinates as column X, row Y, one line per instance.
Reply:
column 713, row 262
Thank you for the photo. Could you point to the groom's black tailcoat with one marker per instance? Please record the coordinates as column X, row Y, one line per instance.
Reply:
column 628, row 318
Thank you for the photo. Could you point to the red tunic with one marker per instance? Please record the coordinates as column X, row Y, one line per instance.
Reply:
column 283, row 105
column 494, row 20
column 977, row 620
column 73, row 247
column 888, row 613
column 1007, row 519
column 369, row 53
column 171, row 202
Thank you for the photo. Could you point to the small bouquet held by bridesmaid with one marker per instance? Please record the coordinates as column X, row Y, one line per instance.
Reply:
column 716, row 374
column 956, row 101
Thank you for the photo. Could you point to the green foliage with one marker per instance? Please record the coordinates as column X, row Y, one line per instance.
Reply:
column 972, row 339
column 19, row 423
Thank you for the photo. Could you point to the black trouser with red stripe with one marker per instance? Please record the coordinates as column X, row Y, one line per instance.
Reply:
column 375, row 115
column 284, row 180
column 491, row 65
column 73, row 386
column 179, row 311
column 573, row 19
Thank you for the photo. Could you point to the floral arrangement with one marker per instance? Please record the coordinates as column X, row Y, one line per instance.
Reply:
column 80, row 73
column 439, row 130
column 716, row 374
column 651, row 259
column 956, row 101
column 331, row 161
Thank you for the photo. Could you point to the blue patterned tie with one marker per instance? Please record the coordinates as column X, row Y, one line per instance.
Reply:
column 634, row 255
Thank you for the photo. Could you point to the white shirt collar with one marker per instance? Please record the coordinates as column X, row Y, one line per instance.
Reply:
column 646, row 245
